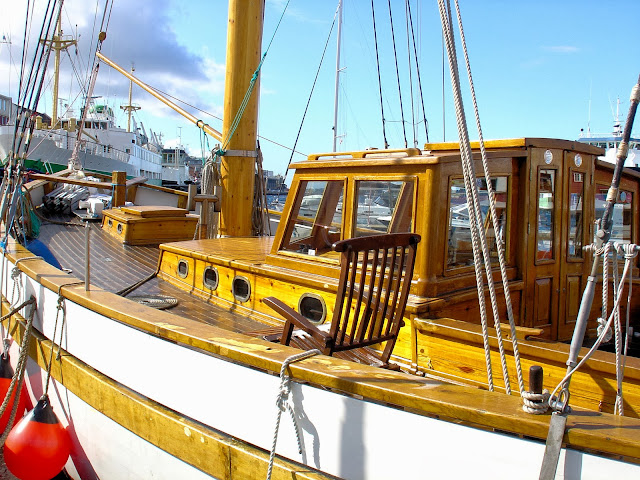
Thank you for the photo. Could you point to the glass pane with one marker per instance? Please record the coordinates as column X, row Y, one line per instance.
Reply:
column 383, row 207
column 576, row 195
column 316, row 220
column 621, row 228
column 545, row 227
column 459, row 247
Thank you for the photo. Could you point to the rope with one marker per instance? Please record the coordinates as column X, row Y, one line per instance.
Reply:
column 61, row 307
column 375, row 38
column 562, row 385
column 15, row 274
column 247, row 95
column 535, row 403
column 18, row 374
column 471, row 188
column 617, row 327
column 283, row 403
column 499, row 241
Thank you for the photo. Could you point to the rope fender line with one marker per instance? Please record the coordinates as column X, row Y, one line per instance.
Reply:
column 283, row 403
column 18, row 375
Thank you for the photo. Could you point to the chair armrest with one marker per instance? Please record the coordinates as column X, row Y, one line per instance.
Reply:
column 294, row 318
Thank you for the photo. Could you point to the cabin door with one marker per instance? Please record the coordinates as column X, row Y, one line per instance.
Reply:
column 575, row 234
column 556, row 232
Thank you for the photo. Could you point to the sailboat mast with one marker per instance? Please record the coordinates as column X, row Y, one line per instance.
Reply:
column 237, row 168
column 335, row 102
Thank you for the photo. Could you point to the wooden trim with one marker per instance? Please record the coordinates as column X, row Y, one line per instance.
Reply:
column 204, row 448
column 586, row 430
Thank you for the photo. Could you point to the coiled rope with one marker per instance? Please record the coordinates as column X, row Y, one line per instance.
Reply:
column 283, row 403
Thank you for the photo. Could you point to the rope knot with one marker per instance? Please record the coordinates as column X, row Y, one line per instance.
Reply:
column 535, row 403
column 604, row 330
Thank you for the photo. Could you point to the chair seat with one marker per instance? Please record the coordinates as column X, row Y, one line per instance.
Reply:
column 364, row 355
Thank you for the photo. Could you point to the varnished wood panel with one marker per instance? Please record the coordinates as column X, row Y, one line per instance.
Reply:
column 542, row 301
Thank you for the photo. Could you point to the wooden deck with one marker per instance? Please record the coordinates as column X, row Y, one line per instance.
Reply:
column 115, row 266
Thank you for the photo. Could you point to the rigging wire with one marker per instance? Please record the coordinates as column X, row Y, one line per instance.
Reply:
column 415, row 53
column 395, row 54
column 413, row 114
column 375, row 37
column 313, row 87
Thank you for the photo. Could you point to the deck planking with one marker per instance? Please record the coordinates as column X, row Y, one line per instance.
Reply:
column 115, row 266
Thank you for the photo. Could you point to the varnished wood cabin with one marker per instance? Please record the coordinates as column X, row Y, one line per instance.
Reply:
column 548, row 195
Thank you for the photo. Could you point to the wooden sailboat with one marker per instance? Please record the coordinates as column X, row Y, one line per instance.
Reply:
column 191, row 392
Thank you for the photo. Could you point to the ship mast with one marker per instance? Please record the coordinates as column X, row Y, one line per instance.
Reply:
column 57, row 44
column 244, row 43
column 130, row 107
column 338, row 71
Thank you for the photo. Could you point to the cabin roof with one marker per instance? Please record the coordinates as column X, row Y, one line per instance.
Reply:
column 525, row 142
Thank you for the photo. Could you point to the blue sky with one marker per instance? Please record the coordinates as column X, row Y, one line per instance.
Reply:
column 541, row 69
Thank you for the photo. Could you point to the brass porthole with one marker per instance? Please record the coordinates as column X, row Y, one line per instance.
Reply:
column 183, row 268
column 109, row 222
column 119, row 228
column 210, row 278
column 241, row 289
column 312, row 307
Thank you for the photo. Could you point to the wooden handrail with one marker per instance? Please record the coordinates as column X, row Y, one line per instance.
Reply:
column 409, row 152
column 84, row 183
column 72, row 181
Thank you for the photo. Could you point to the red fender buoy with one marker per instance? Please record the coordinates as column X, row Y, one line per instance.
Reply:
column 6, row 374
column 38, row 446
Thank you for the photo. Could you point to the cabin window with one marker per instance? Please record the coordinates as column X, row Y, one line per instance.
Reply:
column 545, row 226
column 383, row 207
column 459, row 246
column 315, row 223
column 576, row 219
column 622, row 210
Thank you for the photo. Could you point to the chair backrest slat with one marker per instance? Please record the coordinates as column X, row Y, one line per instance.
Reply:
column 373, row 289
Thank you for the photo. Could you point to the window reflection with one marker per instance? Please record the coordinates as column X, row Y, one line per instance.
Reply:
column 459, row 247
column 316, row 221
column 545, row 227
column 383, row 207
column 576, row 195
column 621, row 227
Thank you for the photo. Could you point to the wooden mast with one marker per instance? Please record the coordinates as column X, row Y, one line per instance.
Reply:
column 244, row 45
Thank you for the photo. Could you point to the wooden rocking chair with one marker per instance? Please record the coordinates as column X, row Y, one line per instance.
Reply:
column 372, row 294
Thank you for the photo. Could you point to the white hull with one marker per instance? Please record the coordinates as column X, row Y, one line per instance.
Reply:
column 342, row 436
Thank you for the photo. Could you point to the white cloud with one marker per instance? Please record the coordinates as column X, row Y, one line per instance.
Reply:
column 562, row 49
